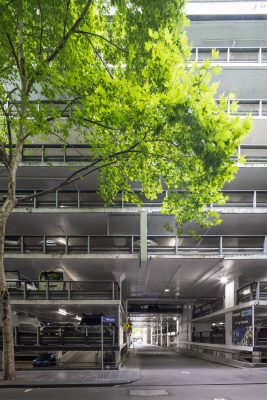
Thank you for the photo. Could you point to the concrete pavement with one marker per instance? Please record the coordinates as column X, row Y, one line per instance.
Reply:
column 146, row 366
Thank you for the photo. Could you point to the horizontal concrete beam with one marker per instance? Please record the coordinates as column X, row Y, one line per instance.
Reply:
column 34, row 256
column 198, row 256
column 131, row 210
column 66, row 302
column 93, row 210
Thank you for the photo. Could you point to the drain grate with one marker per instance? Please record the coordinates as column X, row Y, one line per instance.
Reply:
column 148, row 392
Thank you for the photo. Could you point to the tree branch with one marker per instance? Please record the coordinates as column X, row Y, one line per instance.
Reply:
column 21, row 46
column 100, row 124
column 10, row 144
column 3, row 156
column 41, row 29
column 72, row 30
column 100, row 58
column 84, row 170
column 103, row 38
column 66, row 18
column 13, row 51
column 64, row 40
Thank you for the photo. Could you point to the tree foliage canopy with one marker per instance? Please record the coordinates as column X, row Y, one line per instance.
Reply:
column 123, row 69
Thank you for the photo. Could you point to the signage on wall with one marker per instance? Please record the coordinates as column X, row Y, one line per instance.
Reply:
column 242, row 327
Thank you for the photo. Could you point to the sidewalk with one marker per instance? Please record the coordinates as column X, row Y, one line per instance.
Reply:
column 71, row 378
column 43, row 377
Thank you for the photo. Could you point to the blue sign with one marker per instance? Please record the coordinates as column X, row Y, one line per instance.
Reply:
column 110, row 320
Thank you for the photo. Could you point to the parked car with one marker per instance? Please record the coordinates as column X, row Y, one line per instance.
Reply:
column 44, row 360
column 261, row 336
column 25, row 324
column 59, row 329
column 16, row 282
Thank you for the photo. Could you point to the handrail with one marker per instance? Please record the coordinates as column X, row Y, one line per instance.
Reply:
column 130, row 244
column 68, row 290
column 81, row 153
column 249, row 292
column 248, row 55
column 90, row 198
column 66, row 110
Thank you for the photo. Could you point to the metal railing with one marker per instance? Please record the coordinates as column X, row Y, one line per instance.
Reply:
column 130, row 244
column 250, row 292
column 60, row 336
column 63, row 290
column 256, row 107
column 57, row 153
column 64, row 199
column 208, row 308
column 208, row 337
column 229, row 56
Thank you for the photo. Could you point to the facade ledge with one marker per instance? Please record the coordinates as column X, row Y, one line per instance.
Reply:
column 230, row 309
column 60, row 302
column 223, row 347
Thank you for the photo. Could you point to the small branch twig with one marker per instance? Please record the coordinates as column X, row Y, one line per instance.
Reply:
column 66, row 18
column 100, row 58
column 13, row 51
column 103, row 38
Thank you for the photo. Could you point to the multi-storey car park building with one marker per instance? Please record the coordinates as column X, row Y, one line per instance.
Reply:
column 207, row 296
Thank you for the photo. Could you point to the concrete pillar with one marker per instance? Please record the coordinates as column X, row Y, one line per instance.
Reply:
column 58, row 356
column 230, row 289
column 143, row 237
column 119, row 327
column 149, row 335
column 185, row 328
column 256, row 357
column 167, row 334
column 228, row 328
column 229, row 293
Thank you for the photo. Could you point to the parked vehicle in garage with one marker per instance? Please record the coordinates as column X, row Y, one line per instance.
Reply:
column 59, row 329
column 25, row 324
column 55, row 280
column 16, row 282
column 261, row 336
column 44, row 360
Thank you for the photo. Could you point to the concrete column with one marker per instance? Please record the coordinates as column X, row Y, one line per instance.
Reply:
column 189, row 323
column 149, row 335
column 230, row 289
column 167, row 334
column 143, row 236
column 185, row 327
column 120, row 328
column 229, row 293
column 160, row 335
column 59, row 355
column 228, row 328
column 256, row 357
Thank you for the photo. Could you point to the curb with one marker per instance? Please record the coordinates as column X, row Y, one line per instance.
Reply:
column 62, row 385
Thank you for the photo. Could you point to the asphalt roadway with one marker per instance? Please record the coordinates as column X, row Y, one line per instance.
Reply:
column 166, row 375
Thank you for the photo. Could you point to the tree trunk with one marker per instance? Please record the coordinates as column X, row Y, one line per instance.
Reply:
column 7, row 327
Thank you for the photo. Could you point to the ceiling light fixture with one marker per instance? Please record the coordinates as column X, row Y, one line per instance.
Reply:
column 223, row 280
column 166, row 290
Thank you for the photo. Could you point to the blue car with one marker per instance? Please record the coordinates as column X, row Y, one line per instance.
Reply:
column 44, row 360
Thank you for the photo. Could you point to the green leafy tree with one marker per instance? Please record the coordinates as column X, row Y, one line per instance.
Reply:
column 122, row 68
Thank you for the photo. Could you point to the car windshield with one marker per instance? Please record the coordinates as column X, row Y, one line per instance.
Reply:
column 43, row 356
